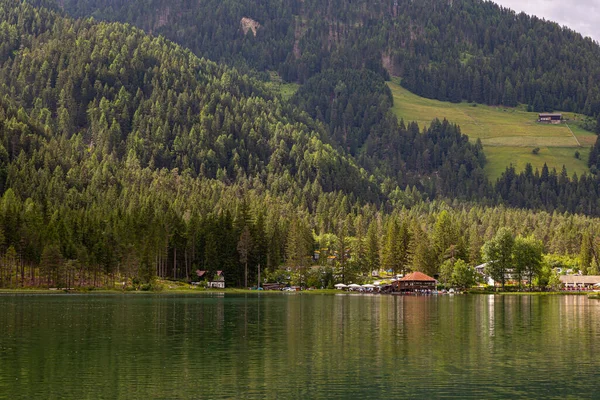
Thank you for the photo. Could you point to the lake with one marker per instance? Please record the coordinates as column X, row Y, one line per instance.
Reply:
column 298, row 346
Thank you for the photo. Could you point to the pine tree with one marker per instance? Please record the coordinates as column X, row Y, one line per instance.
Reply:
column 298, row 247
column 372, row 255
column 586, row 252
column 509, row 98
column 538, row 103
column 243, row 247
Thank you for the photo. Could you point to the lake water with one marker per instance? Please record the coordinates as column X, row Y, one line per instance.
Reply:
column 298, row 346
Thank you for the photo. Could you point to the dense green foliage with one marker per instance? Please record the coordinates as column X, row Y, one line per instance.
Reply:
column 458, row 50
column 594, row 160
column 126, row 94
column 408, row 155
column 350, row 102
column 549, row 190
column 468, row 50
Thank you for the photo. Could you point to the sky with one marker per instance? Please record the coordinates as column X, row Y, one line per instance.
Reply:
column 580, row 15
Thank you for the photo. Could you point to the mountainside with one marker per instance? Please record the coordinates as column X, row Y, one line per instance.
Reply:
column 119, row 148
column 125, row 156
column 128, row 95
column 449, row 50
column 125, row 94
column 510, row 136
column 125, row 153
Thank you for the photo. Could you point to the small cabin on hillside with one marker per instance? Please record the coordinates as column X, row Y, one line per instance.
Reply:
column 550, row 118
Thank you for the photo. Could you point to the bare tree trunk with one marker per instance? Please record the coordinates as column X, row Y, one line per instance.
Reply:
column 166, row 257
column 10, row 272
column 175, row 263
column 157, row 264
column 187, row 267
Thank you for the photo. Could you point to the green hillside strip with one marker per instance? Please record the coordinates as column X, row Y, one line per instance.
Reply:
column 501, row 156
column 508, row 134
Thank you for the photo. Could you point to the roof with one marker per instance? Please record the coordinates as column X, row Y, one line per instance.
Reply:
column 200, row 273
column 583, row 279
column 550, row 115
column 418, row 276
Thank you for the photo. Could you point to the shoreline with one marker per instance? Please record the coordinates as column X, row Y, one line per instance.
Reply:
column 196, row 291
column 38, row 291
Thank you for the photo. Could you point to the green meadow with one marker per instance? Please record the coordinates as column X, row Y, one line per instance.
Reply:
column 508, row 134
column 286, row 90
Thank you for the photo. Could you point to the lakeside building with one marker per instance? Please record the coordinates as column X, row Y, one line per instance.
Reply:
column 218, row 281
column 510, row 276
column 580, row 282
column 481, row 270
column 415, row 282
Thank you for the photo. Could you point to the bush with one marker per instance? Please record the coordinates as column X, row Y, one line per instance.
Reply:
column 577, row 155
column 151, row 287
column 536, row 151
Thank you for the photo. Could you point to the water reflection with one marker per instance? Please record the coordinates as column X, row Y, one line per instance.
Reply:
column 300, row 346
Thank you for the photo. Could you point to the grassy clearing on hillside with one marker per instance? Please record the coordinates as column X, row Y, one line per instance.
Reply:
column 286, row 90
column 502, row 156
column 508, row 134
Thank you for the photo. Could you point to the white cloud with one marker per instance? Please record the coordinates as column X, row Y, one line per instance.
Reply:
column 580, row 15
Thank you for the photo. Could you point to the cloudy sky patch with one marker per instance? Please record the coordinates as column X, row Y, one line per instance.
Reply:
column 580, row 15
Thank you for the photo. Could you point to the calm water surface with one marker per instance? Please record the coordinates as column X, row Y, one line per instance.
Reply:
column 298, row 346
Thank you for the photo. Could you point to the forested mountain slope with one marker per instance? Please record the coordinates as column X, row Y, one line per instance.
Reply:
column 124, row 153
column 449, row 50
column 116, row 145
column 125, row 94
column 125, row 156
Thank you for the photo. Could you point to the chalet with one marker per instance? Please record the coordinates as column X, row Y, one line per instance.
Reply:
column 580, row 282
column 550, row 118
column 200, row 274
column 218, row 282
column 415, row 282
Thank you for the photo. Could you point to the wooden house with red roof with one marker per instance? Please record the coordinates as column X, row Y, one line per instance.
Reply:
column 415, row 282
